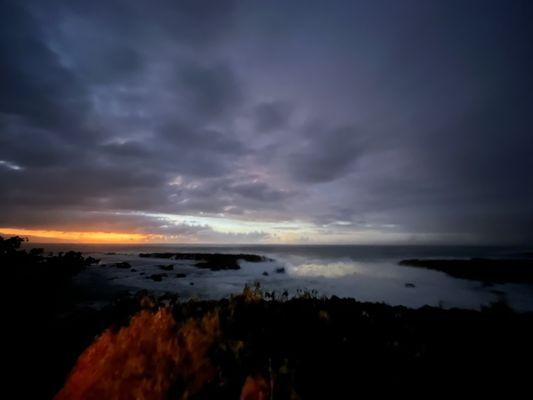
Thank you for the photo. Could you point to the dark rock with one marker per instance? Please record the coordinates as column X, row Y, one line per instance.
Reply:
column 480, row 269
column 265, row 273
column 168, row 267
column 90, row 260
column 410, row 285
column 212, row 261
column 133, row 270
column 122, row 265
column 180, row 275
column 191, row 283
column 157, row 255
column 157, row 277
column 280, row 270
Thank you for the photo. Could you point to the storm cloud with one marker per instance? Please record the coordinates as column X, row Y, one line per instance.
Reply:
column 337, row 121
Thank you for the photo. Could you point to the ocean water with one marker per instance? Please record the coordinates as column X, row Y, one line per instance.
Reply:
column 366, row 273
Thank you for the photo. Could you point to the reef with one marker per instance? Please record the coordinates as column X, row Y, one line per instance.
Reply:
column 480, row 269
column 212, row 261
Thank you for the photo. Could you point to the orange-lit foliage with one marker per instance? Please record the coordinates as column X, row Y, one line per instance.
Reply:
column 255, row 388
column 144, row 359
column 252, row 294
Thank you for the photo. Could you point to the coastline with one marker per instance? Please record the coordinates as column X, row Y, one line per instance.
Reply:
column 303, row 345
column 365, row 273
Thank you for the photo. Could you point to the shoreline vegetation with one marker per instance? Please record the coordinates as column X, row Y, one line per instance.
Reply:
column 255, row 345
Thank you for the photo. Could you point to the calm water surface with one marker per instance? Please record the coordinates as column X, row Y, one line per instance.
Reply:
column 366, row 273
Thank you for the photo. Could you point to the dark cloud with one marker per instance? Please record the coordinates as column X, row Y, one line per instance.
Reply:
column 133, row 149
column 200, row 138
column 259, row 191
column 35, row 85
column 109, row 64
column 408, row 119
column 326, row 155
column 190, row 23
column 209, row 90
column 271, row 116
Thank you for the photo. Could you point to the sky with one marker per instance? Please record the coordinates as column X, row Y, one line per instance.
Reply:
column 373, row 122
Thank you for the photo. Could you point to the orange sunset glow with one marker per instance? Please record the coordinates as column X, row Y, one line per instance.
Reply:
column 78, row 236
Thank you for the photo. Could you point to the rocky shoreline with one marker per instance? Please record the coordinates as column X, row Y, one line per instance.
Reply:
column 212, row 261
column 480, row 269
column 253, row 345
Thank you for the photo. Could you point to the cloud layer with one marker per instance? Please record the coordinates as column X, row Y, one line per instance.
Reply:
column 277, row 121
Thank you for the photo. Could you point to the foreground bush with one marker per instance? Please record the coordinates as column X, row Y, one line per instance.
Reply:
column 146, row 359
column 302, row 348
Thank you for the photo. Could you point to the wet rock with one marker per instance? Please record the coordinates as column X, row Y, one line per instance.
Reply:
column 122, row 265
column 480, row 269
column 280, row 270
column 265, row 273
column 157, row 277
column 91, row 260
column 212, row 261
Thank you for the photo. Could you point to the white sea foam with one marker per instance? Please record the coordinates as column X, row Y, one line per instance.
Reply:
column 324, row 270
column 364, row 273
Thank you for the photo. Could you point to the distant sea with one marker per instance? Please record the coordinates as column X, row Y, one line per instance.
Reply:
column 366, row 273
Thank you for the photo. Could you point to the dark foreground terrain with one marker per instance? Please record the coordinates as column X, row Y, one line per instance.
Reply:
column 252, row 346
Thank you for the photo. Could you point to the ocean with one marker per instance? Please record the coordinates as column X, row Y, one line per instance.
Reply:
column 366, row 273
